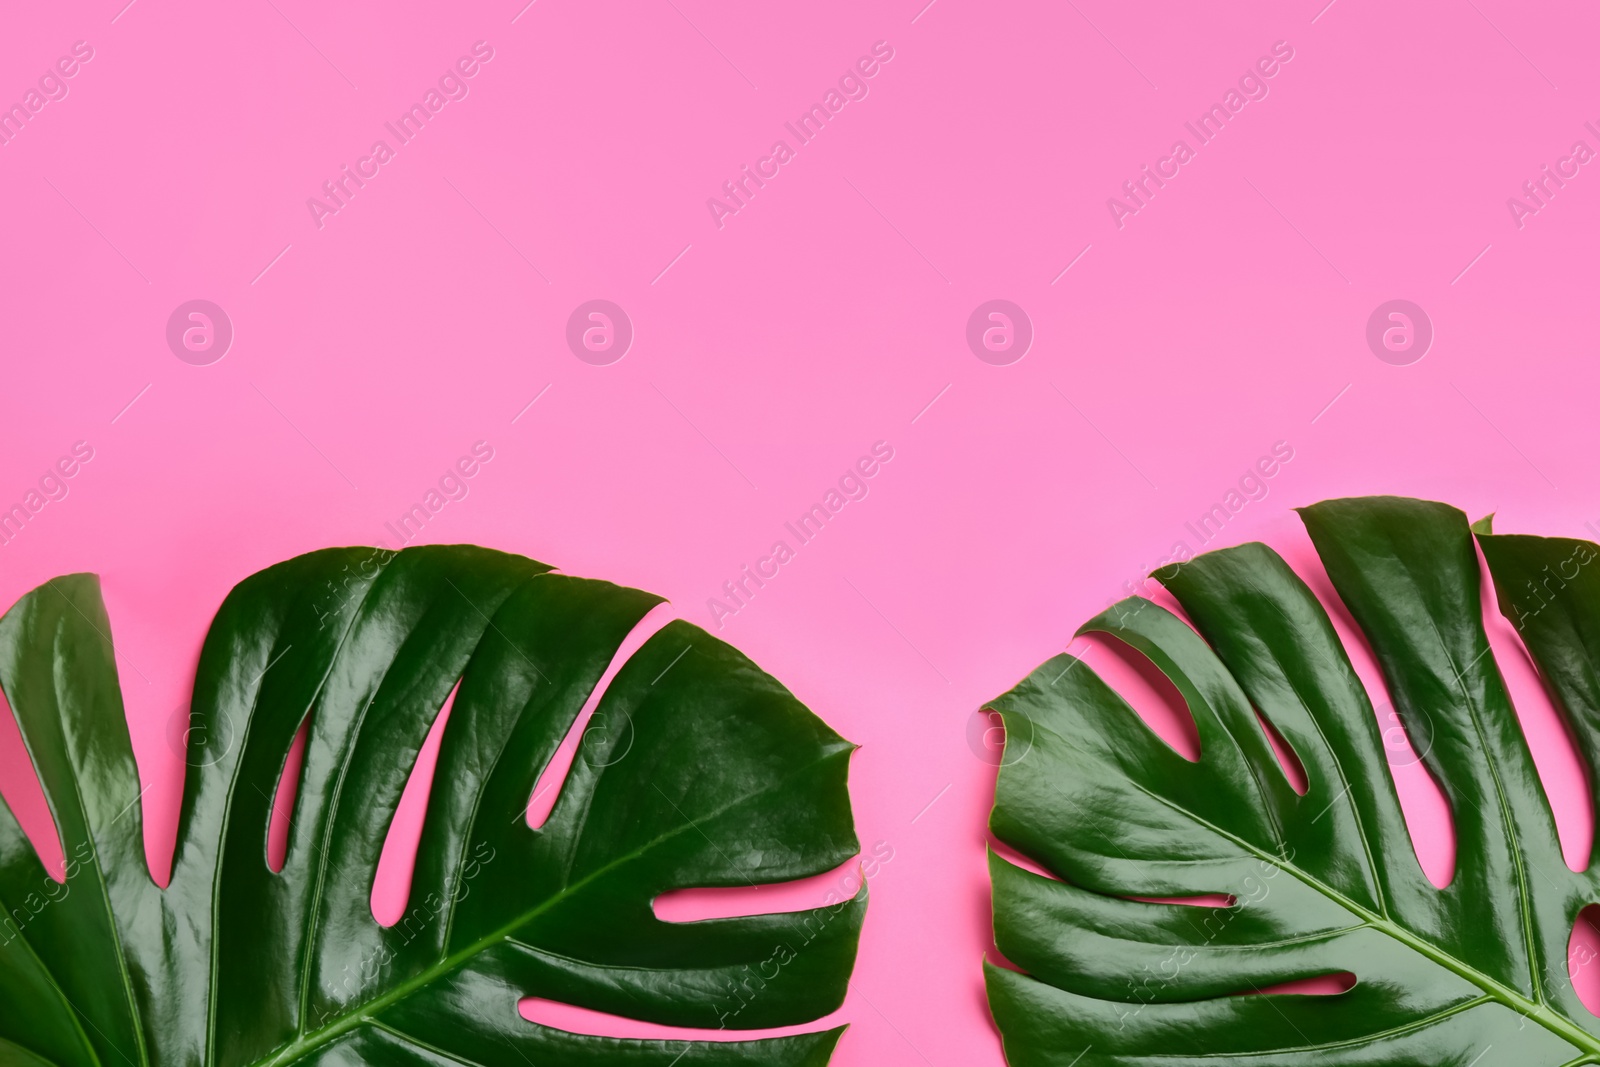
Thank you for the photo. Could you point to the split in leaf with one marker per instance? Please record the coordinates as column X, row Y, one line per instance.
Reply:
column 708, row 773
column 1323, row 883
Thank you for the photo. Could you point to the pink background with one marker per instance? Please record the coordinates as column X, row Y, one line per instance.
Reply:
column 1227, row 315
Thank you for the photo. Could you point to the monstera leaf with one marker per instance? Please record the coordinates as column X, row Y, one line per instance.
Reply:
column 1321, row 884
column 699, row 770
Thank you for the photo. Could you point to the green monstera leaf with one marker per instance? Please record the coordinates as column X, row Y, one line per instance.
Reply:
column 1324, row 883
column 706, row 773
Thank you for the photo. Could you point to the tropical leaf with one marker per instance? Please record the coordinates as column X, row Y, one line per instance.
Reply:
column 1324, row 883
column 698, row 770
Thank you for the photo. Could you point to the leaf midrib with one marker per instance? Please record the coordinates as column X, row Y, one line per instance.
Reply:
column 1502, row 802
column 1538, row 1011
column 365, row 1013
column 1528, row 1008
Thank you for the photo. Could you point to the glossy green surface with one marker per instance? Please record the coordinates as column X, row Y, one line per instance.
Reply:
column 697, row 770
column 1328, row 882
